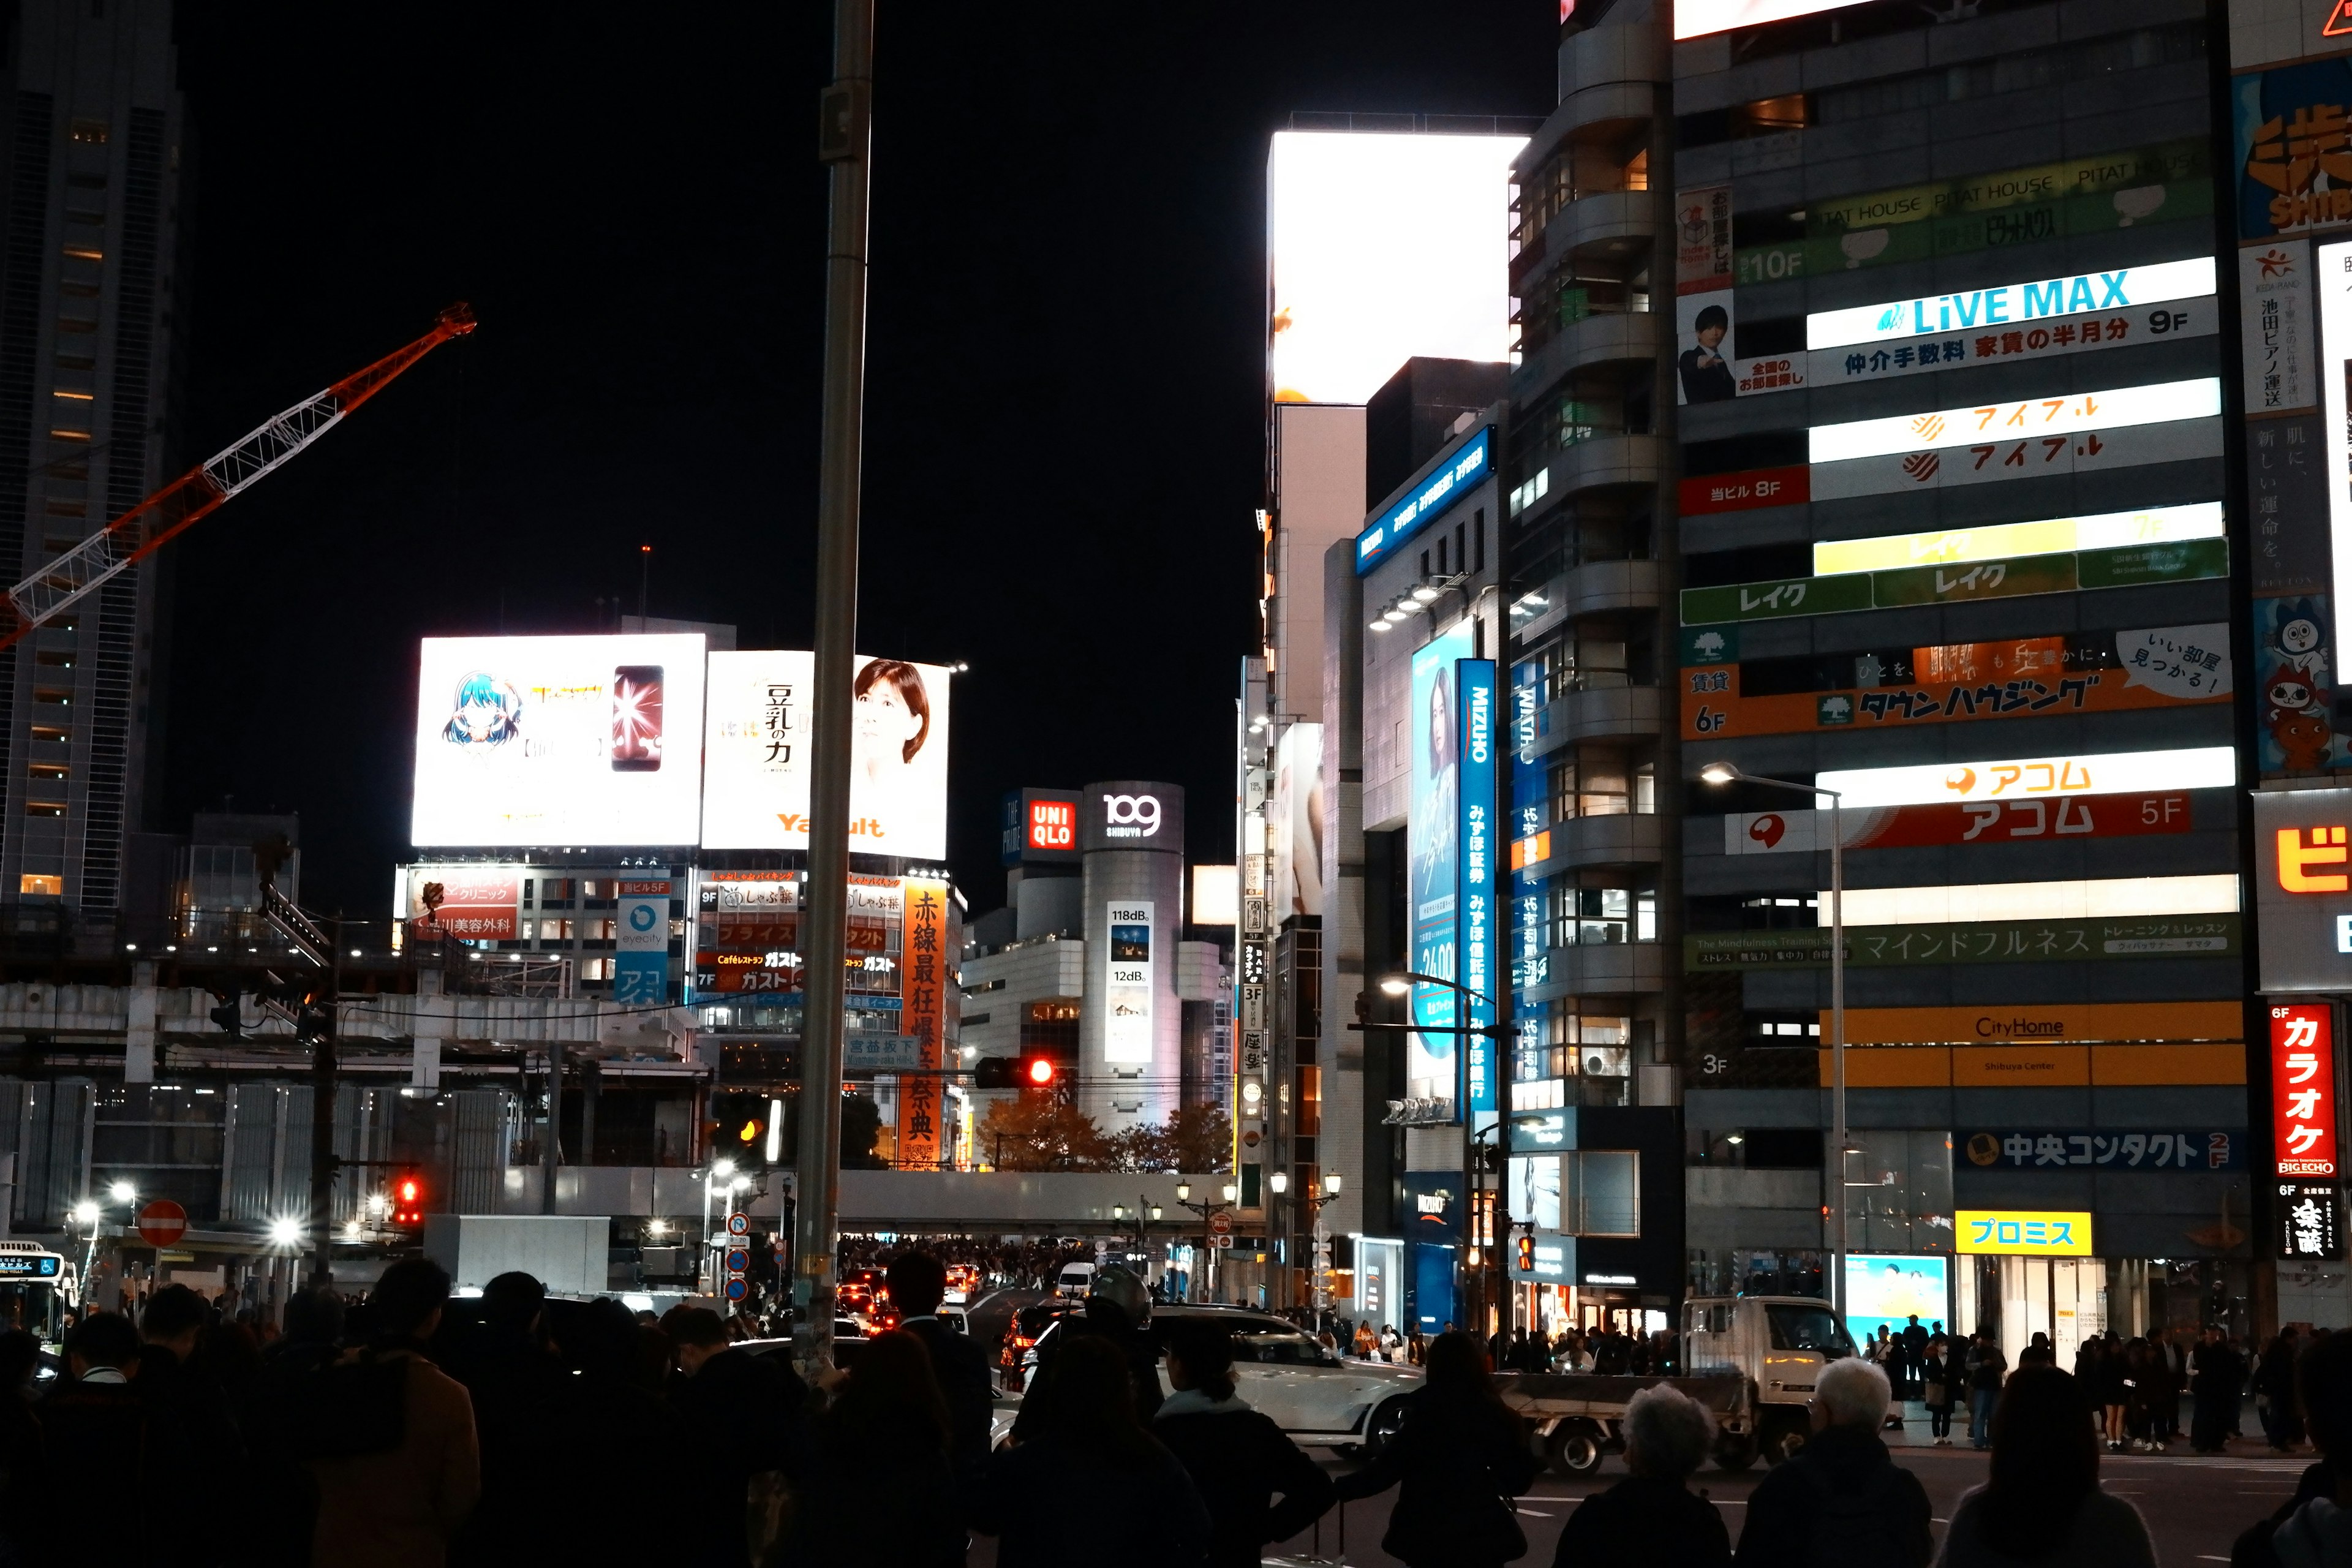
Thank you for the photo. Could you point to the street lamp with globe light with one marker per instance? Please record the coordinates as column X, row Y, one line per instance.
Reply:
column 1720, row 773
column 1208, row 1213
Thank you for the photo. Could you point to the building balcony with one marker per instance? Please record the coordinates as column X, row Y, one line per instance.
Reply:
column 1602, row 713
column 1601, row 969
column 1608, row 222
column 1627, row 840
column 1605, row 337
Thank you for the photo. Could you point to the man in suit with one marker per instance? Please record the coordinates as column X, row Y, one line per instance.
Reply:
column 918, row 1283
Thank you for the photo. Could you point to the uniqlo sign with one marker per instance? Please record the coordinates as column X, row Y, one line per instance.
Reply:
column 1053, row 824
column 2303, row 1088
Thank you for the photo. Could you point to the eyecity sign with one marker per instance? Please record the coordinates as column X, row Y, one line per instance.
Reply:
column 1464, row 466
column 2007, row 303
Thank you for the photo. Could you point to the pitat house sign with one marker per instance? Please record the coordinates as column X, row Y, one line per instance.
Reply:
column 1132, row 814
column 2303, row 888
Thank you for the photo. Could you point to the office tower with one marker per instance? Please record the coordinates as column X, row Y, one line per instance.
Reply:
column 93, row 128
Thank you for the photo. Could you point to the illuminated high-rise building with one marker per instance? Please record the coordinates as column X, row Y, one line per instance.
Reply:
column 91, row 156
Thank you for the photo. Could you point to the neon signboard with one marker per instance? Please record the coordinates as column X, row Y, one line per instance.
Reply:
column 2303, row 1088
column 1457, row 470
column 2105, row 773
column 2121, row 408
column 2006, row 304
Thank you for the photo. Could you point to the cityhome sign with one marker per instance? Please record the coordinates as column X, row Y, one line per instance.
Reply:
column 2303, row 888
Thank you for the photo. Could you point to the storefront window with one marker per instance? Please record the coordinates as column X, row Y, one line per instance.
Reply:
column 1898, row 1191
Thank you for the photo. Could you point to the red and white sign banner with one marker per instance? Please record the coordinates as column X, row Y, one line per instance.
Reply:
column 1746, row 490
column 2303, row 1088
column 473, row 903
column 1959, row 822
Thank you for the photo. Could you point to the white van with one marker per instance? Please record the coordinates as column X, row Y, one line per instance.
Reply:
column 1076, row 1279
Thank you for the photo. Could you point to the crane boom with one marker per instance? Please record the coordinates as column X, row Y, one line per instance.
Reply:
column 142, row 529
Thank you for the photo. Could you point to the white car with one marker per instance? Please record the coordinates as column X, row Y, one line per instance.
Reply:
column 1312, row 1393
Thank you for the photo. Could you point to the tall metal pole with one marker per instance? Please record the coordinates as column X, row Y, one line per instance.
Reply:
column 323, row 1127
column 845, row 140
column 1837, row 1048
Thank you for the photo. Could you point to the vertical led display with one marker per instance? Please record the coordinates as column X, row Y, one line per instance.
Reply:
column 641, row 945
column 1126, row 1032
column 1433, row 837
column 1473, row 682
column 2303, row 1088
column 924, row 963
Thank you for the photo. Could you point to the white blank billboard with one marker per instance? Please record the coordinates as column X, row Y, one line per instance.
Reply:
column 558, row 742
column 757, row 758
column 1384, row 247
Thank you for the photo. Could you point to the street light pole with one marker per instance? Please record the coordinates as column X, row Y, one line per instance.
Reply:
column 1727, row 772
column 845, row 143
column 1498, row 1219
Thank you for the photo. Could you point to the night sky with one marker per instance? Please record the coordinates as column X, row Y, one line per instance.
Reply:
column 1065, row 423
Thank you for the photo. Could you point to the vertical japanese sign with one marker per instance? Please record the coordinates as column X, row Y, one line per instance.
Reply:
column 2303, row 1088
column 2275, row 285
column 1127, row 1033
column 1433, row 840
column 2310, row 1225
column 923, row 1017
column 641, row 945
column 1475, row 901
column 1703, row 239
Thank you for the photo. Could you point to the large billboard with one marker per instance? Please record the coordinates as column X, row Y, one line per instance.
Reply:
column 571, row 740
column 2303, row 888
column 1696, row 18
column 1294, row 817
column 1434, row 844
column 757, row 756
column 1883, row 1291
column 1382, row 247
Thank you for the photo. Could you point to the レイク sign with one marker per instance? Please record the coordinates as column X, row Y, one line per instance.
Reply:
column 2303, row 1088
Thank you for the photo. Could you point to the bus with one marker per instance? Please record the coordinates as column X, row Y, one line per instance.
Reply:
column 36, row 1285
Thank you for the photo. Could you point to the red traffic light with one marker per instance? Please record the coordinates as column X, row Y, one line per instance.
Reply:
column 409, row 1200
column 1039, row 1071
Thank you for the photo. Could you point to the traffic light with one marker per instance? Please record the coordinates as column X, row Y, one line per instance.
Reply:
column 1526, row 1254
column 993, row 1072
column 1037, row 1069
column 739, row 1128
column 408, row 1196
column 229, row 1015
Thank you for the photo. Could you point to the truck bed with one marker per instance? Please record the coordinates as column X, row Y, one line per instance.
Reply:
column 1546, row 1394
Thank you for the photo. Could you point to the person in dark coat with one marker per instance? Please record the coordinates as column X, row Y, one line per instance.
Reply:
column 2217, row 1381
column 1842, row 1498
column 610, row 1433
column 1652, row 1519
column 918, row 1283
column 95, row 1463
column 195, row 1449
column 2312, row 1528
column 1118, row 1310
column 513, row 1379
column 1086, row 1482
column 1459, row 1453
column 875, row 1477
column 1238, row 1459
column 746, row 1411
column 20, row 1443
column 2275, row 1390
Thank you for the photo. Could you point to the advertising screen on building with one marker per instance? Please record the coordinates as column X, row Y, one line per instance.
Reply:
column 1696, row 18
column 2303, row 1088
column 1384, row 247
column 1293, row 823
column 757, row 758
column 469, row 902
column 1434, row 850
column 1477, row 938
column 557, row 741
column 2332, row 278
column 2063, row 415
column 1892, row 1290
column 2303, row 888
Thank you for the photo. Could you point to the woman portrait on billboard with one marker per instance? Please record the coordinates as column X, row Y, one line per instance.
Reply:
column 894, row 721
column 1433, row 795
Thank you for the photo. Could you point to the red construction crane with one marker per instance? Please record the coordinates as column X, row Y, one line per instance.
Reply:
column 140, row 532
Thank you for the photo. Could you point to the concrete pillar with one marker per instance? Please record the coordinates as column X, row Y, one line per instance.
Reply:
column 139, row 1049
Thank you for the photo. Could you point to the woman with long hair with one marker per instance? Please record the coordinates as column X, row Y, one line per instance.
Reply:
column 1456, row 1459
column 2041, row 1502
column 1086, row 1475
